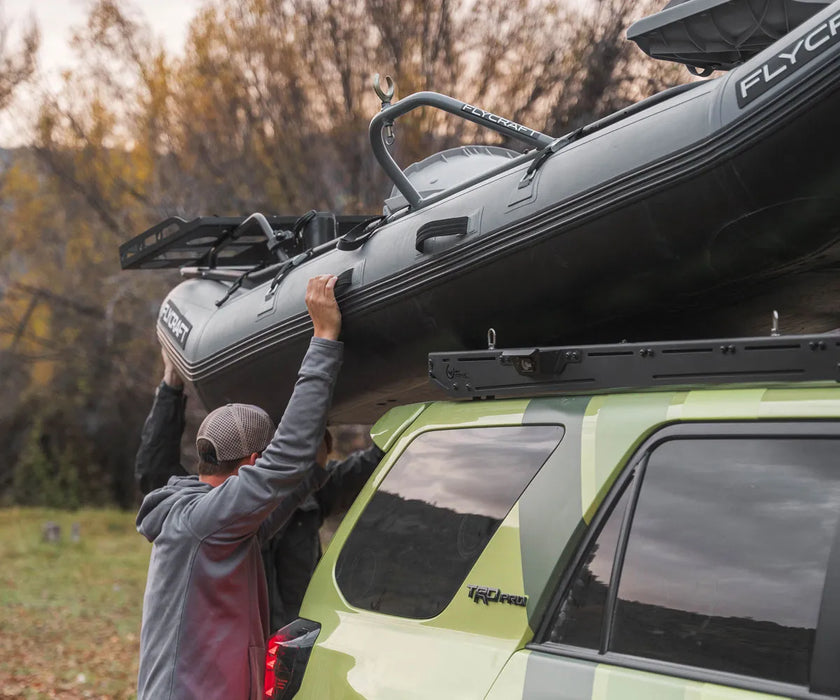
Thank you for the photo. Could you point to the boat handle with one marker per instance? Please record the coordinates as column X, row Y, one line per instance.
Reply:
column 464, row 110
column 344, row 282
column 457, row 226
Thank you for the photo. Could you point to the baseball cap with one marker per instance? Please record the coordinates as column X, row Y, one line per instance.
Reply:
column 236, row 430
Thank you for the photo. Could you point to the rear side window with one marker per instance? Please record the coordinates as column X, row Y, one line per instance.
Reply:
column 727, row 555
column 434, row 513
column 725, row 561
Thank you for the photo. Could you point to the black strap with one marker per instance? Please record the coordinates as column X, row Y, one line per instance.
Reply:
column 238, row 283
column 359, row 234
column 457, row 226
column 345, row 281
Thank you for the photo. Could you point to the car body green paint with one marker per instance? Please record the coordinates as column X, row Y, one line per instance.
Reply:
column 552, row 502
column 816, row 402
column 391, row 425
column 613, row 683
column 471, row 649
column 614, row 426
column 461, row 661
column 539, row 676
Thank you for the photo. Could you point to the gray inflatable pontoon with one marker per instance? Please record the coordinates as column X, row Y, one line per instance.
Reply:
column 709, row 184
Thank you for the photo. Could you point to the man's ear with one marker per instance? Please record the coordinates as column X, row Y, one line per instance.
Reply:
column 246, row 460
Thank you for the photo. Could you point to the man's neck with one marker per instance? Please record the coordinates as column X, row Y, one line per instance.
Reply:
column 213, row 479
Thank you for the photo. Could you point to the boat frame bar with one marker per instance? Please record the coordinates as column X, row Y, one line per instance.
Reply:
column 382, row 122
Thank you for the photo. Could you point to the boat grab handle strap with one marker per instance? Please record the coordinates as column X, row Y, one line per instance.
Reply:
column 344, row 282
column 359, row 234
column 457, row 226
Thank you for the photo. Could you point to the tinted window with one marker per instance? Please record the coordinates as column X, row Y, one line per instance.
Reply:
column 434, row 513
column 581, row 614
column 727, row 553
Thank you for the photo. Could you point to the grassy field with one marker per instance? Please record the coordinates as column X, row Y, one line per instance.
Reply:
column 70, row 610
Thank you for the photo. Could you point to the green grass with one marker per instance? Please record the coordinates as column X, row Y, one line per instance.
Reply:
column 70, row 611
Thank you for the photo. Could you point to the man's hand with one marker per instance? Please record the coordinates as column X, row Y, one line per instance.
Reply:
column 323, row 308
column 170, row 374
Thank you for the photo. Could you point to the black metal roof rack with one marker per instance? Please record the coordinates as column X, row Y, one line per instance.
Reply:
column 223, row 241
column 623, row 366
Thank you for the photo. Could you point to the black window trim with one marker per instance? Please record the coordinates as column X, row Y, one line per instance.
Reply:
column 591, row 533
column 825, row 672
column 620, row 549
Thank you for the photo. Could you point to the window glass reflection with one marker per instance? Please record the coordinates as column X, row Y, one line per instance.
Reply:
column 727, row 555
column 435, row 512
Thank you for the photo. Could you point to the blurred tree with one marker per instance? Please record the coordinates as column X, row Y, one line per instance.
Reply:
column 16, row 64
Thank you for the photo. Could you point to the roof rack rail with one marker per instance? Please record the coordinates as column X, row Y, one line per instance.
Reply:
column 229, row 241
column 623, row 366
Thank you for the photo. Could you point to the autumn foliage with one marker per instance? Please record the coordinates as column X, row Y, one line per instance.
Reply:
column 266, row 109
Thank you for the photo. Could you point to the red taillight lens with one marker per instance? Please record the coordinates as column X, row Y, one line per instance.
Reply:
column 286, row 656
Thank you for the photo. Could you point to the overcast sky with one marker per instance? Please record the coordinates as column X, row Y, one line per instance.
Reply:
column 168, row 20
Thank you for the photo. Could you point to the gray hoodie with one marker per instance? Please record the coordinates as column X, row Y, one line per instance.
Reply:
column 205, row 611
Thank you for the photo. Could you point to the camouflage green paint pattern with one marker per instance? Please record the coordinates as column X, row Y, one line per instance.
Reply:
column 538, row 676
column 468, row 648
column 601, row 444
column 602, row 433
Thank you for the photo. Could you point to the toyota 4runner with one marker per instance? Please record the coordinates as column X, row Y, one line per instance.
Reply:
column 652, row 521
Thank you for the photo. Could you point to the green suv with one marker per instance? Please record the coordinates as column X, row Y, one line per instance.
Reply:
column 655, row 521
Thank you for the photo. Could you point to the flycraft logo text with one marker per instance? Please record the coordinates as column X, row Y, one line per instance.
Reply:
column 787, row 62
column 496, row 119
column 175, row 323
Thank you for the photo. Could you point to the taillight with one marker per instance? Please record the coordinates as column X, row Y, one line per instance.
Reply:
column 286, row 656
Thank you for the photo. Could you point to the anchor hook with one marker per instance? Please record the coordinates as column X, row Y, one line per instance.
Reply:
column 385, row 97
column 774, row 328
column 389, row 92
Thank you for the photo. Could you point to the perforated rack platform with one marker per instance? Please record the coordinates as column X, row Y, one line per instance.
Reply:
column 623, row 366
column 214, row 241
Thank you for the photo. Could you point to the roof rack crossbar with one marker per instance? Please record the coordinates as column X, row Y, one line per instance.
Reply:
column 661, row 364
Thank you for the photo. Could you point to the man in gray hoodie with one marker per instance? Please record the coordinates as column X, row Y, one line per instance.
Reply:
column 205, row 611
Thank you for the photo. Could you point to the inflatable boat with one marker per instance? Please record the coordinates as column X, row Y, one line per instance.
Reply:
column 710, row 184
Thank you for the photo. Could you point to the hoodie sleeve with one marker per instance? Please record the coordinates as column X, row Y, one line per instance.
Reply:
column 158, row 456
column 284, row 473
column 346, row 479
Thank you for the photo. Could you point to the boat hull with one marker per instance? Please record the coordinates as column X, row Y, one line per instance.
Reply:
column 673, row 206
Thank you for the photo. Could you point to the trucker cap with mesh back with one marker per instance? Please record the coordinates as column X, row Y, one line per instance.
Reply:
column 236, row 430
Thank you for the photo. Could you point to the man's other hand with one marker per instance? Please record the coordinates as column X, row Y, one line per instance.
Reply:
column 323, row 308
column 170, row 374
